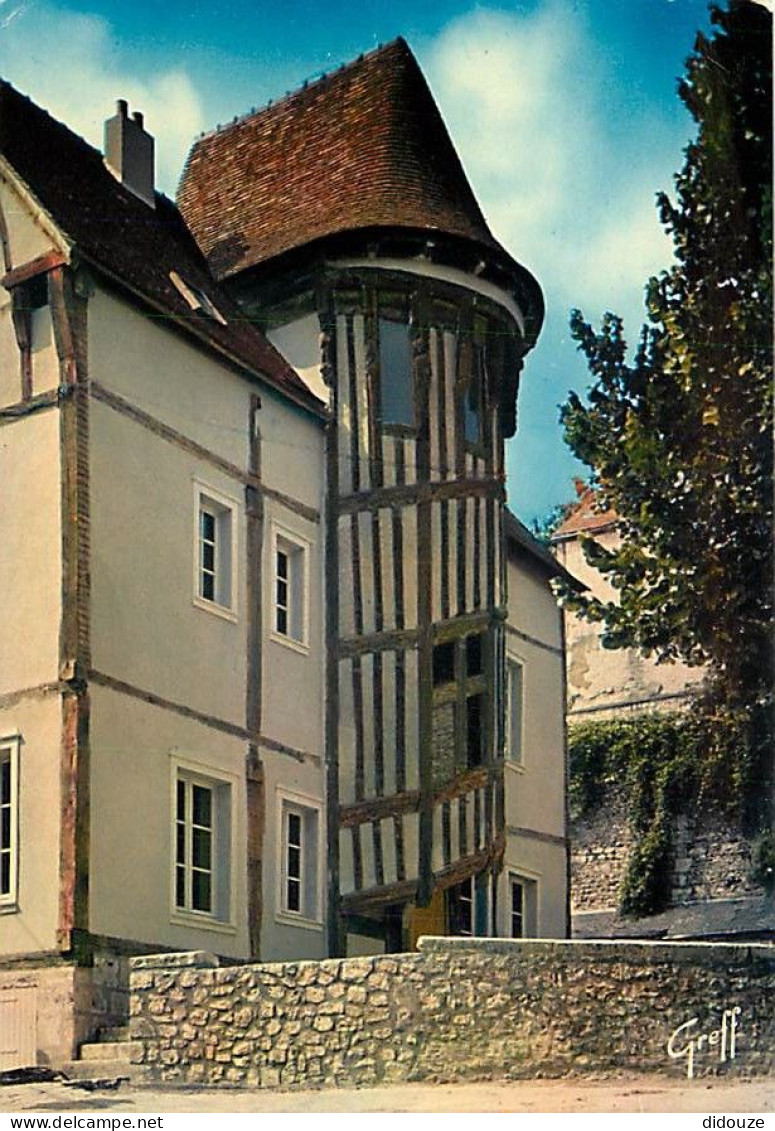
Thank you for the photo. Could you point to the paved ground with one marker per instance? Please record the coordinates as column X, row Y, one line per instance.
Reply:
column 622, row 1094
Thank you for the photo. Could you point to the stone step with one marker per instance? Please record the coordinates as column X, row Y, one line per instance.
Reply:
column 103, row 1070
column 108, row 1050
column 117, row 1033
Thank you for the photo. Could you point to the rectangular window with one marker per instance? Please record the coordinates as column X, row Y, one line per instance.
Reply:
column 460, row 908
column 522, row 907
column 458, row 670
column 202, row 845
column 294, row 856
column 444, row 663
column 514, row 680
column 9, row 816
column 517, row 909
column 300, row 827
column 215, row 552
column 473, row 396
column 291, row 588
column 395, row 374
column 475, row 730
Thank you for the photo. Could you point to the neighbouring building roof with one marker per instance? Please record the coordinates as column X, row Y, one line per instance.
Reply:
column 362, row 148
column 518, row 535
column 585, row 517
column 140, row 247
column 752, row 918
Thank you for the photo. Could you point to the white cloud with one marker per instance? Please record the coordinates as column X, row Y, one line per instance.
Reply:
column 68, row 63
column 528, row 101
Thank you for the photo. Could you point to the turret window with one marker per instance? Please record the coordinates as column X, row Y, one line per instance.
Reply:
column 395, row 372
column 472, row 398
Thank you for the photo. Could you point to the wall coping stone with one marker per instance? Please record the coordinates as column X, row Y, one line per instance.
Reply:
column 647, row 949
column 189, row 959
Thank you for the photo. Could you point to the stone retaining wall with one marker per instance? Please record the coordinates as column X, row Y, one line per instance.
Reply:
column 711, row 859
column 458, row 1009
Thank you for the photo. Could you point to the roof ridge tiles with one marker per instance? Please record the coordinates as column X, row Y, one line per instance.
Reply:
column 314, row 80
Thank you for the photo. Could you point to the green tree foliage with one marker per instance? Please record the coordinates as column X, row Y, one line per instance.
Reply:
column 679, row 438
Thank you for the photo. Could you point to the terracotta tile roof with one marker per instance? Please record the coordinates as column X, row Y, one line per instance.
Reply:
column 365, row 147
column 136, row 245
column 584, row 516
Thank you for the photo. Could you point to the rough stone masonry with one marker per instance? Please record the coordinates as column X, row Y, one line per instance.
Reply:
column 460, row 1009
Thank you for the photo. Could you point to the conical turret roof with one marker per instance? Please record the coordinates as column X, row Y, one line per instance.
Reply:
column 364, row 148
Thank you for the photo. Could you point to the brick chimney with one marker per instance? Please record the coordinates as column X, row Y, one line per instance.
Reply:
column 129, row 152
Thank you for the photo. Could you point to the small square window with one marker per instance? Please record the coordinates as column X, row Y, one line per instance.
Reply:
column 299, row 876
column 202, row 840
column 290, row 594
column 9, row 819
column 215, row 585
column 444, row 662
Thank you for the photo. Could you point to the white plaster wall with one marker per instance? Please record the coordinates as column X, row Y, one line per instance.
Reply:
column 601, row 678
column 280, row 937
column 535, row 790
column 31, row 927
column 134, row 748
column 299, row 343
column 179, row 382
column 545, row 864
column 10, row 371
column 45, row 363
column 29, row 237
column 31, row 234
column 146, row 628
column 30, row 551
column 293, row 681
column 148, row 631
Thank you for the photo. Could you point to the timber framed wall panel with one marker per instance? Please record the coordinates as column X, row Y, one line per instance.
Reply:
column 411, row 721
column 363, row 574
column 389, row 730
column 343, row 412
column 367, row 706
column 383, row 538
column 437, row 570
column 410, row 528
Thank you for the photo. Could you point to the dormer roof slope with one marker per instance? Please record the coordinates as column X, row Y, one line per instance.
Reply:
column 362, row 148
column 137, row 246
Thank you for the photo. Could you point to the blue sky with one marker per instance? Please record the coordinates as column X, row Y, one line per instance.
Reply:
column 564, row 113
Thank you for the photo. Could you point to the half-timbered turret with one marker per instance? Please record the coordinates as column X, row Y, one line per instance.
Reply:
column 343, row 222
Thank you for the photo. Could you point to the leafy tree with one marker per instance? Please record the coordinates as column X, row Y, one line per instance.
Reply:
column 679, row 439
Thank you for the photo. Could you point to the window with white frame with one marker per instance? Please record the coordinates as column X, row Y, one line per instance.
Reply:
column 522, row 907
column 514, row 712
column 9, row 820
column 299, row 873
column 215, row 585
column 202, row 827
column 291, row 588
